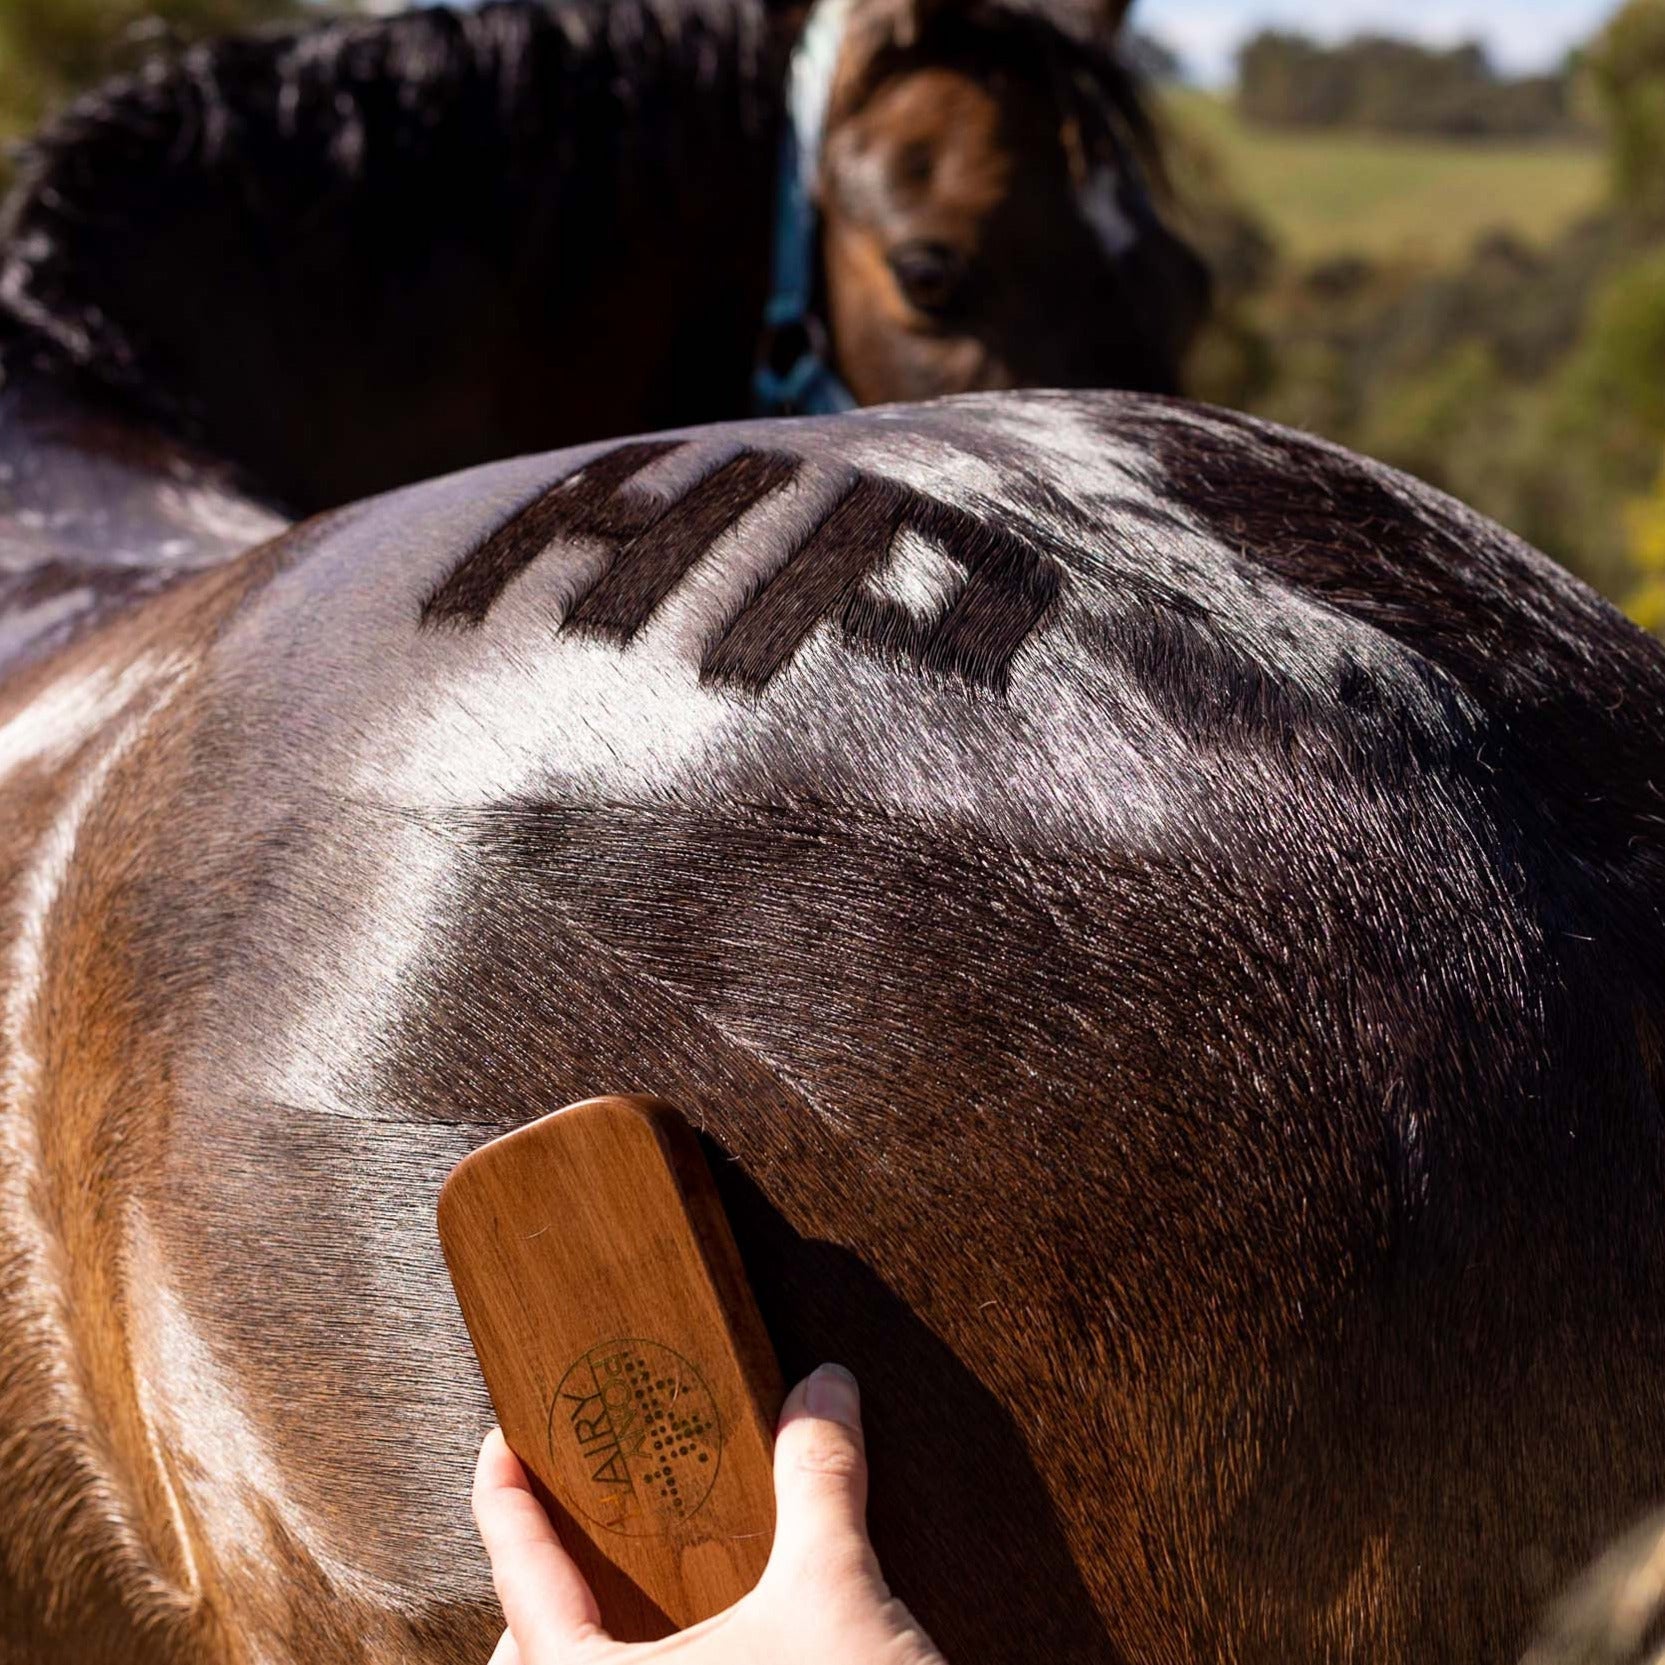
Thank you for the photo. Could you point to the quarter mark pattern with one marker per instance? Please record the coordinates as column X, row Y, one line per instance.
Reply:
column 1007, row 584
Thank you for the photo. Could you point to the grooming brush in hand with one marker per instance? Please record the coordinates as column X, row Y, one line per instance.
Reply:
column 623, row 1353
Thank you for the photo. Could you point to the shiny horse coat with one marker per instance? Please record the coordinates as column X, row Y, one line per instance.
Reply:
column 1158, row 919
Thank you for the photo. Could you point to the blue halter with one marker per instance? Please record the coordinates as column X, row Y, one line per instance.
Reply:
column 793, row 377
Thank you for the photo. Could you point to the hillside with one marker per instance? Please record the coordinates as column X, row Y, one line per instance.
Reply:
column 1332, row 193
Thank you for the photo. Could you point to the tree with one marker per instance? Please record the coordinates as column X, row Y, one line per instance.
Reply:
column 1395, row 86
column 1626, row 70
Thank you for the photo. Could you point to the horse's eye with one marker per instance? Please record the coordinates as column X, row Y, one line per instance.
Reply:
column 929, row 275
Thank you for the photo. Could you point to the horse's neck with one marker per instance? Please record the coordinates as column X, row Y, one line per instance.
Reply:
column 95, row 515
column 370, row 273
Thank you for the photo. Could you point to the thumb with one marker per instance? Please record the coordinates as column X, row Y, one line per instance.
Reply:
column 821, row 1480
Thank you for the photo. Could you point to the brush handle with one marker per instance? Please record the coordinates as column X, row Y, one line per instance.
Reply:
column 623, row 1353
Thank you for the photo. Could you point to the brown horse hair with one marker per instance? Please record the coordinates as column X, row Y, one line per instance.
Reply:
column 1161, row 918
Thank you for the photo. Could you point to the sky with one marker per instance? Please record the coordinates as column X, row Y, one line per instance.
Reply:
column 1522, row 35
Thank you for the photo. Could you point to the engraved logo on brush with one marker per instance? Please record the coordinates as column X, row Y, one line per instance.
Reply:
column 635, row 1428
column 1007, row 584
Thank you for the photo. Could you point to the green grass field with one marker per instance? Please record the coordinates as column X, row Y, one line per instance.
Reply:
column 1343, row 193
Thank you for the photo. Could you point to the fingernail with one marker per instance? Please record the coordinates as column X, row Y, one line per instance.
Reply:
column 832, row 1392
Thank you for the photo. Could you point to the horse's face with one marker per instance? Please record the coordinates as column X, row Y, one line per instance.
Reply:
column 982, row 225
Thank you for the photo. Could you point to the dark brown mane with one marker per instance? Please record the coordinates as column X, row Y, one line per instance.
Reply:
column 342, row 258
column 235, row 235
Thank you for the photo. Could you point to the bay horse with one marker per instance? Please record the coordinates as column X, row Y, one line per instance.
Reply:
column 370, row 251
column 1157, row 918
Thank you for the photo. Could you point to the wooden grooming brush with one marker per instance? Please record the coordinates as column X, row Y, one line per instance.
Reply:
column 623, row 1353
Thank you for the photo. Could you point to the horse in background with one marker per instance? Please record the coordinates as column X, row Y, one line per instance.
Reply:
column 369, row 252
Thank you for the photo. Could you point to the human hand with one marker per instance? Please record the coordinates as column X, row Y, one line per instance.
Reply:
column 821, row 1601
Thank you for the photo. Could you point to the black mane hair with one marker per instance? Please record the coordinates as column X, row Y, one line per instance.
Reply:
column 274, row 232
column 360, row 253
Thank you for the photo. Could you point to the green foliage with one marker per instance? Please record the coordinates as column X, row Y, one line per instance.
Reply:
column 1613, row 382
column 52, row 49
column 1625, row 67
column 1432, row 422
column 1524, row 382
column 1395, row 86
column 1646, row 522
column 1518, row 368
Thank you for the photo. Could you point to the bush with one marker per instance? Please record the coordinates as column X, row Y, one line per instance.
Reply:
column 1625, row 67
column 1524, row 382
column 1645, row 601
